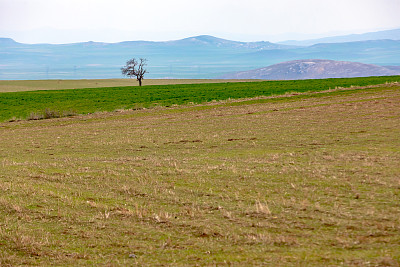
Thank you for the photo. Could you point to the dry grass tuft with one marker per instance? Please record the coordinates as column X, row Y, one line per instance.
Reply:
column 262, row 208
column 141, row 212
column 162, row 217
column 50, row 114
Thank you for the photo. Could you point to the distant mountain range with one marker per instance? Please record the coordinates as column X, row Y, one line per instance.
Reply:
column 313, row 69
column 380, row 35
column 195, row 57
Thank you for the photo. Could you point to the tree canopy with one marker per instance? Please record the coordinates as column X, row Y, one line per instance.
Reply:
column 135, row 68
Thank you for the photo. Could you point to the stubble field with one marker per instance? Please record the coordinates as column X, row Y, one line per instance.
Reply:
column 309, row 179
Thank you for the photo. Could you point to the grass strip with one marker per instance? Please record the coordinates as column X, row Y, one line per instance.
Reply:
column 26, row 105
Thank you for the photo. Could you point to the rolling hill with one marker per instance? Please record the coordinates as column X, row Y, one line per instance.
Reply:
column 314, row 69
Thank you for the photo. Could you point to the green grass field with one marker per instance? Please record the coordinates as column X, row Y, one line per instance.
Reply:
column 302, row 180
column 31, row 104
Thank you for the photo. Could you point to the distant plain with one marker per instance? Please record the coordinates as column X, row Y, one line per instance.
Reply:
column 57, row 84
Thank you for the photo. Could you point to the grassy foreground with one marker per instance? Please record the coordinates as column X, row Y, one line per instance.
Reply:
column 32, row 104
column 303, row 180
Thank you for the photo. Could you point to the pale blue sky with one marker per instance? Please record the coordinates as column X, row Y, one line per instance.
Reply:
column 62, row 21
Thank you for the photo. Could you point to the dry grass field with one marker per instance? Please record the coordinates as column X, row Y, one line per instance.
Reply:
column 33, row 85
column 309, row 179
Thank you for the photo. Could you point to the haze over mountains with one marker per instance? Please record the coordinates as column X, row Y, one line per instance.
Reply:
column 195, row 57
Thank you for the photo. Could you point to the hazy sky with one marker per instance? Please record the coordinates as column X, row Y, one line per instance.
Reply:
column 61, row 21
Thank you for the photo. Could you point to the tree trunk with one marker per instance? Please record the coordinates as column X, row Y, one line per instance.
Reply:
column 140, row 82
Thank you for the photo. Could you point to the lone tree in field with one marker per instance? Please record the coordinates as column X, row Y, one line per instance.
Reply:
column 134, row 68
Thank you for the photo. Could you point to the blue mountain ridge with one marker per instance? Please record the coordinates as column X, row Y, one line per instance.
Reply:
column 379, row 35
column 194, row 57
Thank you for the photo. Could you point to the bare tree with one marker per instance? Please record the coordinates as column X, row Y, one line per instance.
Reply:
column 134, row 68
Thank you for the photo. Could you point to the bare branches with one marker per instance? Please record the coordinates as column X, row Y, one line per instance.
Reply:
column 134, row 68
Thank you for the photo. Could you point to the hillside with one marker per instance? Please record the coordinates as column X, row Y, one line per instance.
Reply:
column 314, row 69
